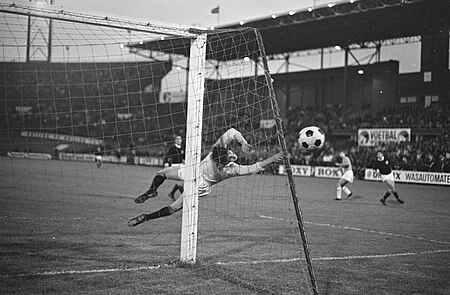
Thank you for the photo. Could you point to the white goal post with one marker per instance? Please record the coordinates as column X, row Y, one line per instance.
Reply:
column 78, row 84
column 196, row 76
column 193, row 148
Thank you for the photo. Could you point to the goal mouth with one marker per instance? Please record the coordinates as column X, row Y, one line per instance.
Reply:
column 89, row 106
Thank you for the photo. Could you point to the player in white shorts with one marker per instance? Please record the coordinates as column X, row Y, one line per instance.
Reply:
column 217, row 166
column 347, row 176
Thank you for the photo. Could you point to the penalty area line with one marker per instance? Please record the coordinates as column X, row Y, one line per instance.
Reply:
column 89, row 271
column 364, row 230
column 335, row 258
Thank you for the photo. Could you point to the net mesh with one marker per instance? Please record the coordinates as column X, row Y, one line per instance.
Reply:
column 102, row 86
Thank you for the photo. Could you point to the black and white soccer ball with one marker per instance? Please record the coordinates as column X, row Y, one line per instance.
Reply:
column 311, row 138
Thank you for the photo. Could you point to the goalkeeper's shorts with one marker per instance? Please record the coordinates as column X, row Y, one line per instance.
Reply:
column 204, row 186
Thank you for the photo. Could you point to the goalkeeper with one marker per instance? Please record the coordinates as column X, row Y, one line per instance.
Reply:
column 218, row 165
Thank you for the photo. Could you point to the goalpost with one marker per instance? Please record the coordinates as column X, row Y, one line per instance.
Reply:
column 193, row 147
column 77, row 83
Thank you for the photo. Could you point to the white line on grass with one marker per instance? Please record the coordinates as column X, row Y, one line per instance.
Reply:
column 335, row 258
column 88, row 271
column 364, row 230
column 63, row 272
column 52, row 218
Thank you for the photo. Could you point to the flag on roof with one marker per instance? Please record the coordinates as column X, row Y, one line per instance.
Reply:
column 215, row 10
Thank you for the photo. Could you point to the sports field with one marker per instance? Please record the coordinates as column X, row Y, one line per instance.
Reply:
column 64, row 231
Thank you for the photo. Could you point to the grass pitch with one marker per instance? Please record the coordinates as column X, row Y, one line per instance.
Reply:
column 64, row 231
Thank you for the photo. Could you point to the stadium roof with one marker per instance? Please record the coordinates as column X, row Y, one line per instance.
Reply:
column 344, row 24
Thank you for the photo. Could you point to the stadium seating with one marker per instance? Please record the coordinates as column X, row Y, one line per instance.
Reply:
column 430, row 153
column 97, row 93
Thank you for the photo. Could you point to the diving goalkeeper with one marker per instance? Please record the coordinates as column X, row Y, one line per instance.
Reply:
column 217, row 166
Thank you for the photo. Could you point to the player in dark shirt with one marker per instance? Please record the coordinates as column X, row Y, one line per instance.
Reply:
column 384, row 168
column 99, row 157
column 175, row 157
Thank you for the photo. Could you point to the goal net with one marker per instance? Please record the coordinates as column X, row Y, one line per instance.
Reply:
column 77, row 87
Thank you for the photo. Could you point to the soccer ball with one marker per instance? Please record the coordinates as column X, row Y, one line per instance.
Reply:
column 311, row 138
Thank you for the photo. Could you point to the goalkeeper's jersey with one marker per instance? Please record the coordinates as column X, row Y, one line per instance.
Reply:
column 211, row 174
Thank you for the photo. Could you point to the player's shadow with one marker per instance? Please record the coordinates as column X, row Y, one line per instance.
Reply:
column 392, row 202
column 109, row 196
column 355, row 197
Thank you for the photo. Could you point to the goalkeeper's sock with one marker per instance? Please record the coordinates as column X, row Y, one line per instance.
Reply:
column 157, row 181
column 160, row 213
column 174, row 190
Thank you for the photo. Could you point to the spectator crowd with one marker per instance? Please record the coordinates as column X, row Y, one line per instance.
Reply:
column 106, row 102
column 426, row 153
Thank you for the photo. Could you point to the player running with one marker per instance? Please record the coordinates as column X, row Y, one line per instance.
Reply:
column 217, row 166
column 347, row 176
column 383, row 166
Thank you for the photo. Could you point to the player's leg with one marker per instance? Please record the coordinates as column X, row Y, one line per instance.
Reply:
column 98, row 161
column 338, row 192
column 384, row 198
column 391, row 185
column 386, row 180
column 172, row 192
column 177, row 187
column 348, row 176
column 386, row 195
column 180, row 187
column 160, row 177
column 204, row 190
column 340, row 184
column 166, row 211
column 347, row 191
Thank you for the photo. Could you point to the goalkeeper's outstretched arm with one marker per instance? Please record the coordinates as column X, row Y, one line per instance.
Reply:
column 233, row 135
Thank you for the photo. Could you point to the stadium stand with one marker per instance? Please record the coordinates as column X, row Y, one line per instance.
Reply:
column 89, row 104
column 426, row 153
column 82, row 99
